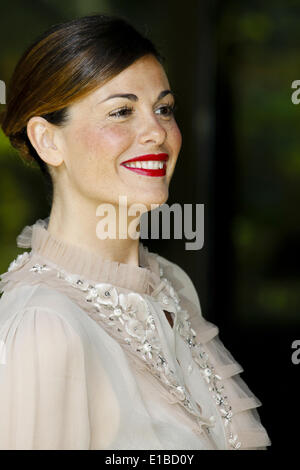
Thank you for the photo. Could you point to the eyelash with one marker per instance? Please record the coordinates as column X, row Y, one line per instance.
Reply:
column 171, row 110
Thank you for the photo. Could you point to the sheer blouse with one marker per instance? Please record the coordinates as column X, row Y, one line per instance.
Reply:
column 96, row 354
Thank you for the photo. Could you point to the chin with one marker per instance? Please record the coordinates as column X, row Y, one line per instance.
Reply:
column 157, row 198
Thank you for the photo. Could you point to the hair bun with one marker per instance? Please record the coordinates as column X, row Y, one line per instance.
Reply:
column 19, row 139
column 19, row 142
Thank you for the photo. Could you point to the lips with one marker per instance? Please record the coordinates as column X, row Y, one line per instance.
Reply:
column 162, row 157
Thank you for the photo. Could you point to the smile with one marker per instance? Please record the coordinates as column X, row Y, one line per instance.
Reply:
column 148, row 165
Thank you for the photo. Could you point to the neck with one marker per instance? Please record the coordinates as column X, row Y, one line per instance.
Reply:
column 83, row 227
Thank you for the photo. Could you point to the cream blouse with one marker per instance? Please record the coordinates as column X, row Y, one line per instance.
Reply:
column 89, row 360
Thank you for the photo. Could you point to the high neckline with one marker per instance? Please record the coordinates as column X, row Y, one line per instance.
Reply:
column 77, row 260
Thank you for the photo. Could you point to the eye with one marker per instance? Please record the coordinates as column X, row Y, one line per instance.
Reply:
column 168, row 109
column 122, row 112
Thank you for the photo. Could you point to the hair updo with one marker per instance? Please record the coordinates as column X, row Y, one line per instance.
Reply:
column 63, row 65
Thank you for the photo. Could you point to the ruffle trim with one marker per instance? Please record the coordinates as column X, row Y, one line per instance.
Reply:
column 142, row 279
column 245, row 421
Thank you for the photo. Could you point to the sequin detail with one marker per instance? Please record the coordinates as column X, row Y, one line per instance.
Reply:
column 213, row 380
column 207, row 371
column 38, row 268
column 130, row 317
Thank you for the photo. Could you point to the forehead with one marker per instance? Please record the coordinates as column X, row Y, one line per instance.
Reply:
column 146, row 75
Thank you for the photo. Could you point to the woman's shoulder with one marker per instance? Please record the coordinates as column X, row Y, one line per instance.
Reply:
column 32, row 326
column 42, row 311
column 25, row 296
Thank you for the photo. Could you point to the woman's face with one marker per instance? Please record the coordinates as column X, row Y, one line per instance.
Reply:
column 103, row 133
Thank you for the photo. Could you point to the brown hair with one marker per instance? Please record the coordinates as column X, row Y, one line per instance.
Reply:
column 63, row 65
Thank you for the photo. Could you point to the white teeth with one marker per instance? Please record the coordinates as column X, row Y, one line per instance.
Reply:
column 149, row 165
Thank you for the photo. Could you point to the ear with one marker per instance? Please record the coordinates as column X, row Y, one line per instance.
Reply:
column 42, row 135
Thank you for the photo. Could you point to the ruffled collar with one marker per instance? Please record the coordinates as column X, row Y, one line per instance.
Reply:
column 135, row 321
column 142, row 279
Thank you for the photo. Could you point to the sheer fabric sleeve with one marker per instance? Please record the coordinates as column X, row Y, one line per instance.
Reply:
column 246, row 420
column 43, row 396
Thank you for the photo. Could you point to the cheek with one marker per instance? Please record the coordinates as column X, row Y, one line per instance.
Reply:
column 101, row 146
column 106, row 140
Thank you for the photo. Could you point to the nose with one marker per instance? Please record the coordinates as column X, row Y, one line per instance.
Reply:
column 152, row 132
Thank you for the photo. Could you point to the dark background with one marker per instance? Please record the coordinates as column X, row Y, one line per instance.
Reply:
column 231, row 64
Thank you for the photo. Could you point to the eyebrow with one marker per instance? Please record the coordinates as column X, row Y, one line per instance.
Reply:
column 132, row 97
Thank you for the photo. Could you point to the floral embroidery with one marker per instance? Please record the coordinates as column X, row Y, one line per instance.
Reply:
column 208, row 373
column 103, row 294
column 38, row 268
column 130, row 316
column 206, row 369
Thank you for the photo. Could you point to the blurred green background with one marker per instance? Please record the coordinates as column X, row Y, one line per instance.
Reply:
column 231, row 65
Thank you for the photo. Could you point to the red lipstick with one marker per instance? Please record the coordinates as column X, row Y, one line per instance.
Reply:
column 163, row 157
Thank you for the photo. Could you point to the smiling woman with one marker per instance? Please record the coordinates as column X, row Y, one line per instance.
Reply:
column 105, row 343
column 71, row 61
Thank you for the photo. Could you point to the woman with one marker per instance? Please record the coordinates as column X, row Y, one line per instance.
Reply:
column 103, row 342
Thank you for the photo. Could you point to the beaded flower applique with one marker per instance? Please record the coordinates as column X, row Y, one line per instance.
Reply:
column 130, row 318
